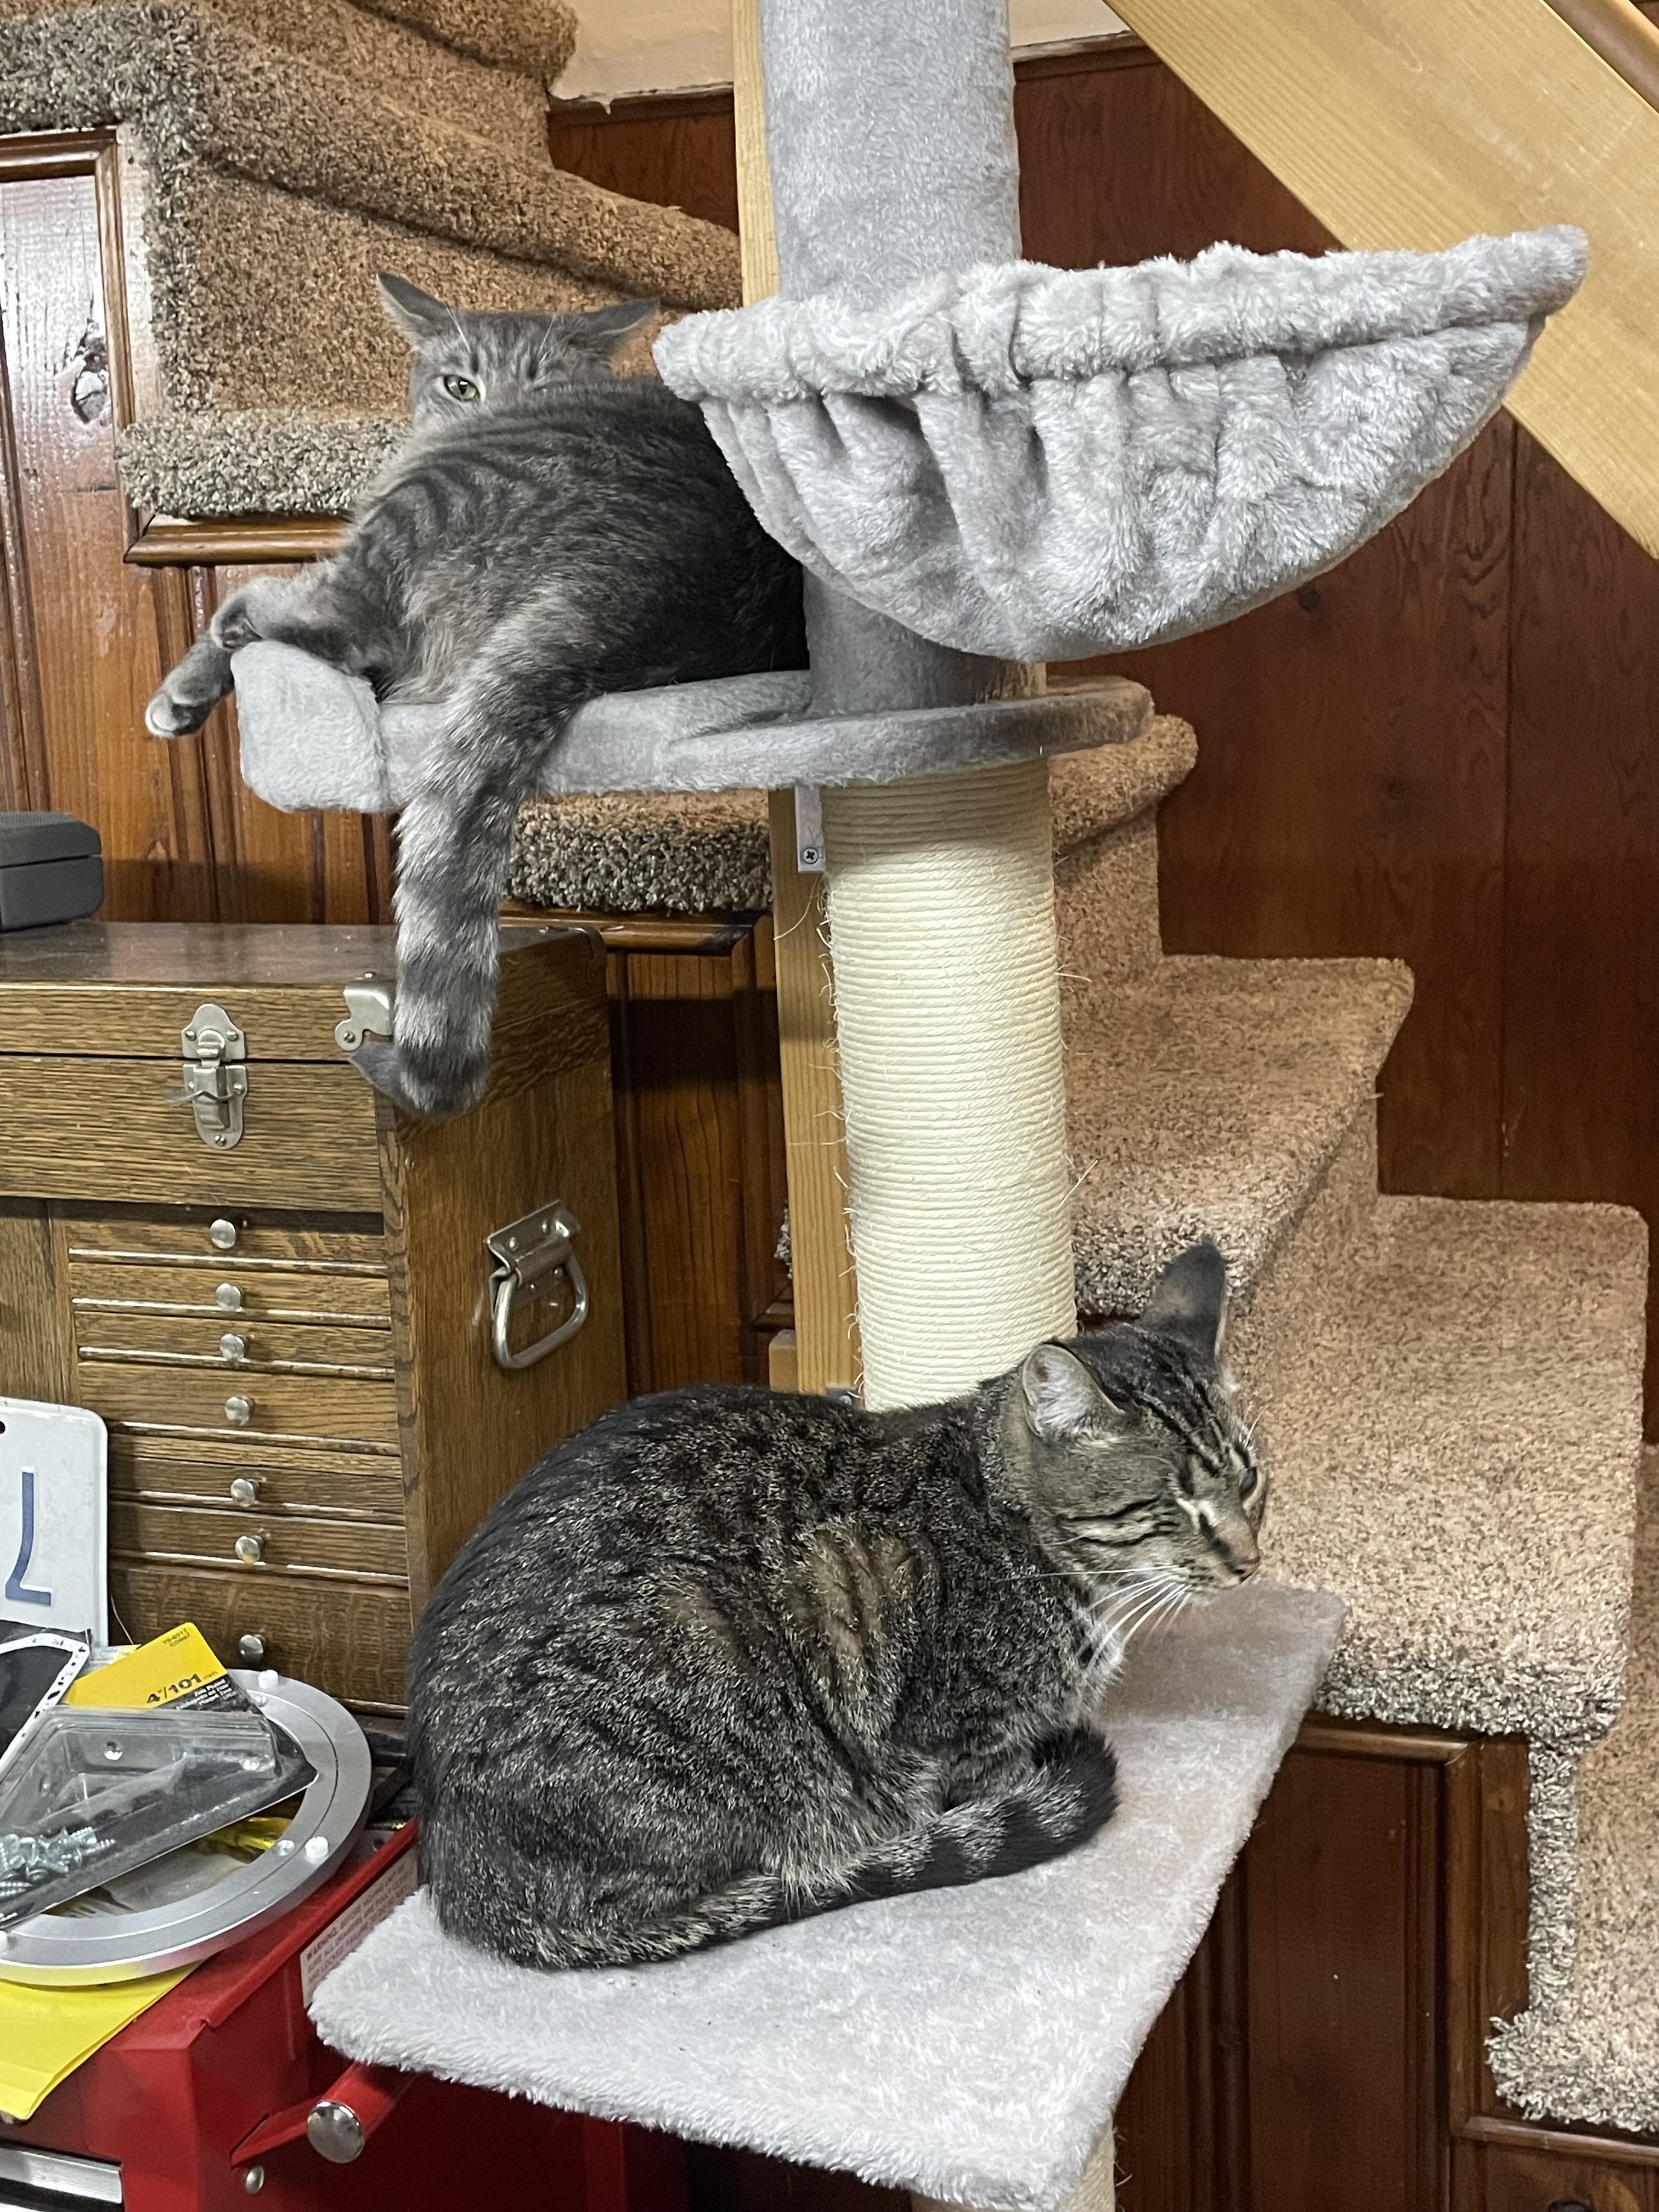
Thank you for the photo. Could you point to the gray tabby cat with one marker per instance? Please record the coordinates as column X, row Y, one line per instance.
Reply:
column 550, row 531
column 731, row 1658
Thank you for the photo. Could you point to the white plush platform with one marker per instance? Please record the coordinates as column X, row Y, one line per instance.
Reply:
column 314, row 737
column 970, row 2043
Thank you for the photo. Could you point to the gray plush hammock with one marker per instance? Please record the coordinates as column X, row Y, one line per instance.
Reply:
column 1036, row 463
column 1042, row 464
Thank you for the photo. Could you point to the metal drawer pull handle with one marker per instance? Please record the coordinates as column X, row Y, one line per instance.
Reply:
column 250, row 1550
column 245, row 1491
column 221, row 1234
column 238, row 1411
column 228, row 1298
column 250, row 1651
column 232, row 1346
column 527, row 1252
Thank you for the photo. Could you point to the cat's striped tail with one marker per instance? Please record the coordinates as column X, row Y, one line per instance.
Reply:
column 1071, row 1793
column 453, row 843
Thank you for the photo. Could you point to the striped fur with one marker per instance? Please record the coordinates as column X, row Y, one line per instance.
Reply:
column 731, row 1658
column 550, row 531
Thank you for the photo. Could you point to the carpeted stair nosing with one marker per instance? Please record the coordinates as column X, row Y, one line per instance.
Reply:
column 535, row 36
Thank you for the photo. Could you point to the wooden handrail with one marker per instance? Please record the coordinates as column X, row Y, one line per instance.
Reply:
column 1622, row 35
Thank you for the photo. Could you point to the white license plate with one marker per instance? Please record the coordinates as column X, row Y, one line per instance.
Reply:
column 54, row 1563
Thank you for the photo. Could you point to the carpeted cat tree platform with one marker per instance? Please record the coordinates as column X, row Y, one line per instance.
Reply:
column 980, row 465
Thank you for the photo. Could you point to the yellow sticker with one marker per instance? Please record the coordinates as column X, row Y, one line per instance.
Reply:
column 177, row 1665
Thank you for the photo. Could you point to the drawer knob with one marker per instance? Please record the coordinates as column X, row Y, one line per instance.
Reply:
column 238, row 1411
column 250, row 1550
column 232, row 1346
column 221, row 1234
column 245, row 1491
column 228, row 1298
column 250, row 1651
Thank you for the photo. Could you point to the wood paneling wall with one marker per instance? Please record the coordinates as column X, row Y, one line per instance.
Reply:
column 1446, row 750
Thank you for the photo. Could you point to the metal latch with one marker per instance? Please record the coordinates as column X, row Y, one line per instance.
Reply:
column 527, row 1252
column 215, row 1079
column 369, row 1003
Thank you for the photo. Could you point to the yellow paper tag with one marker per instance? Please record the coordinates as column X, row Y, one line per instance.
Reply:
column 45, row 2034
column 180, row 1664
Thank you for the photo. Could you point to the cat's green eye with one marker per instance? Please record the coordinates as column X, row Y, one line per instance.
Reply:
column 462, row 387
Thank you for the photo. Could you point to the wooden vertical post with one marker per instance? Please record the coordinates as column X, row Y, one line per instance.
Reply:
column 826, row 1347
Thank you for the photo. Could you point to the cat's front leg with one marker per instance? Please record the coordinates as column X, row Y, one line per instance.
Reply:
column 190, row 691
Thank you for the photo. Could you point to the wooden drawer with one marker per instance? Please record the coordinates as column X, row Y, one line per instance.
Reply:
column 263, row 1292
column 349, row 1242
column 104, row 1128
column 289, row 1543
column 287, row 1478
column 192, row 1398
column 347, row 1637
column 128, row 1333
column 1544, row 2181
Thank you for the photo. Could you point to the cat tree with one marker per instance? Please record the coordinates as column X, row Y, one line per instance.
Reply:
column 980, row 465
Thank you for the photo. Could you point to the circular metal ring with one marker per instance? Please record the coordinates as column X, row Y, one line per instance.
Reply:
column 59, row 1950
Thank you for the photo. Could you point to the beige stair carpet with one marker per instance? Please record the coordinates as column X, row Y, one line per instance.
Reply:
column 273, row 158
column 1210, row 1098
column 1587, row 2048
column 674, row 853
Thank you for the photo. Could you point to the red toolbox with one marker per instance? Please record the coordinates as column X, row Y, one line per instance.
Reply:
column 221, row 2093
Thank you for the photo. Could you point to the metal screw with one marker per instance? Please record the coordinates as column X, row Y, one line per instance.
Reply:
column 810, row 856
column 221, row 1234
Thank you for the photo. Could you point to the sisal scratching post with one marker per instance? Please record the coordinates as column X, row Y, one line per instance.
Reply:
column 947, row 1012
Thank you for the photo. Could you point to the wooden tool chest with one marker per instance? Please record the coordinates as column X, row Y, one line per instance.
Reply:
column 277, row 1291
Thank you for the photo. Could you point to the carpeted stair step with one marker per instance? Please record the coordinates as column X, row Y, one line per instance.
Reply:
column 1453, row 1422
column 1233, row 1098
column 630, row 852
column 204, row 82
column 535, row 36
column 1587, row 2048
column 214, row 40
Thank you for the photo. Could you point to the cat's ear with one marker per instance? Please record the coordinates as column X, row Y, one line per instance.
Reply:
column 600, row 330
column 415, row 312
column 1060, row 1393
column 1189, row 1300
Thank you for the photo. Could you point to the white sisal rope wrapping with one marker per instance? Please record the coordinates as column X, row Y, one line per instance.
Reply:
column 947, row 1012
